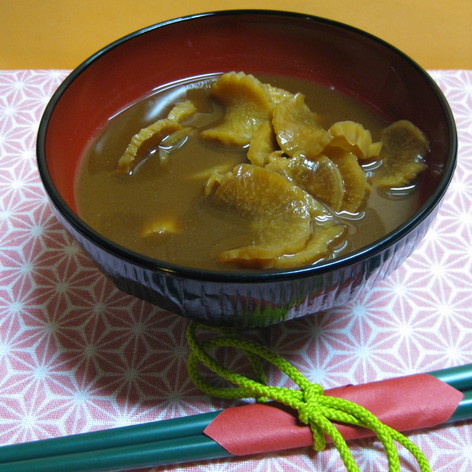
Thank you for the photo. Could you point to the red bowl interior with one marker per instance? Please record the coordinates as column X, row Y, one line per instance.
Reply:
column 254, row 42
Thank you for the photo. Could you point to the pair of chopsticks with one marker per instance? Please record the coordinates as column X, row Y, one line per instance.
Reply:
column 145, row 445
column 164, row 442
column 460, row 378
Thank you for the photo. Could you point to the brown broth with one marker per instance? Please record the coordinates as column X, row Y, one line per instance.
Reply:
column 119, row 207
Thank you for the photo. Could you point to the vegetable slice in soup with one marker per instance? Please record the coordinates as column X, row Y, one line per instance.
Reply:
column 234, row 172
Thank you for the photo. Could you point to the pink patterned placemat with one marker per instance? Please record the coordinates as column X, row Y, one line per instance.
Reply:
column 77, row 355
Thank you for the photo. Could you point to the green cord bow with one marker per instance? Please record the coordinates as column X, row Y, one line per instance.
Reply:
column 315, row 409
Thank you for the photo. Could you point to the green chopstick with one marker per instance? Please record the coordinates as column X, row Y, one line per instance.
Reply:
column 459, row 377
column 464, row 409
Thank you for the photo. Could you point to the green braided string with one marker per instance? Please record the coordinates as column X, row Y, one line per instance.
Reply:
column 315, row 409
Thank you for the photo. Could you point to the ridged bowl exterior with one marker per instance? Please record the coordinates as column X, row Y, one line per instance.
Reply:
column 251, row 304
column 312, row 48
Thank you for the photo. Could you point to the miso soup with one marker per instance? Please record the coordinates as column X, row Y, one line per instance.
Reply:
column 163, row 204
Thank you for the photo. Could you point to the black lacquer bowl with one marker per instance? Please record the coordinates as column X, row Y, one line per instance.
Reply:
column 268, row 42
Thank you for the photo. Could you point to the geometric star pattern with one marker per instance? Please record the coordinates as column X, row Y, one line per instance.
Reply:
column 78, row 355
